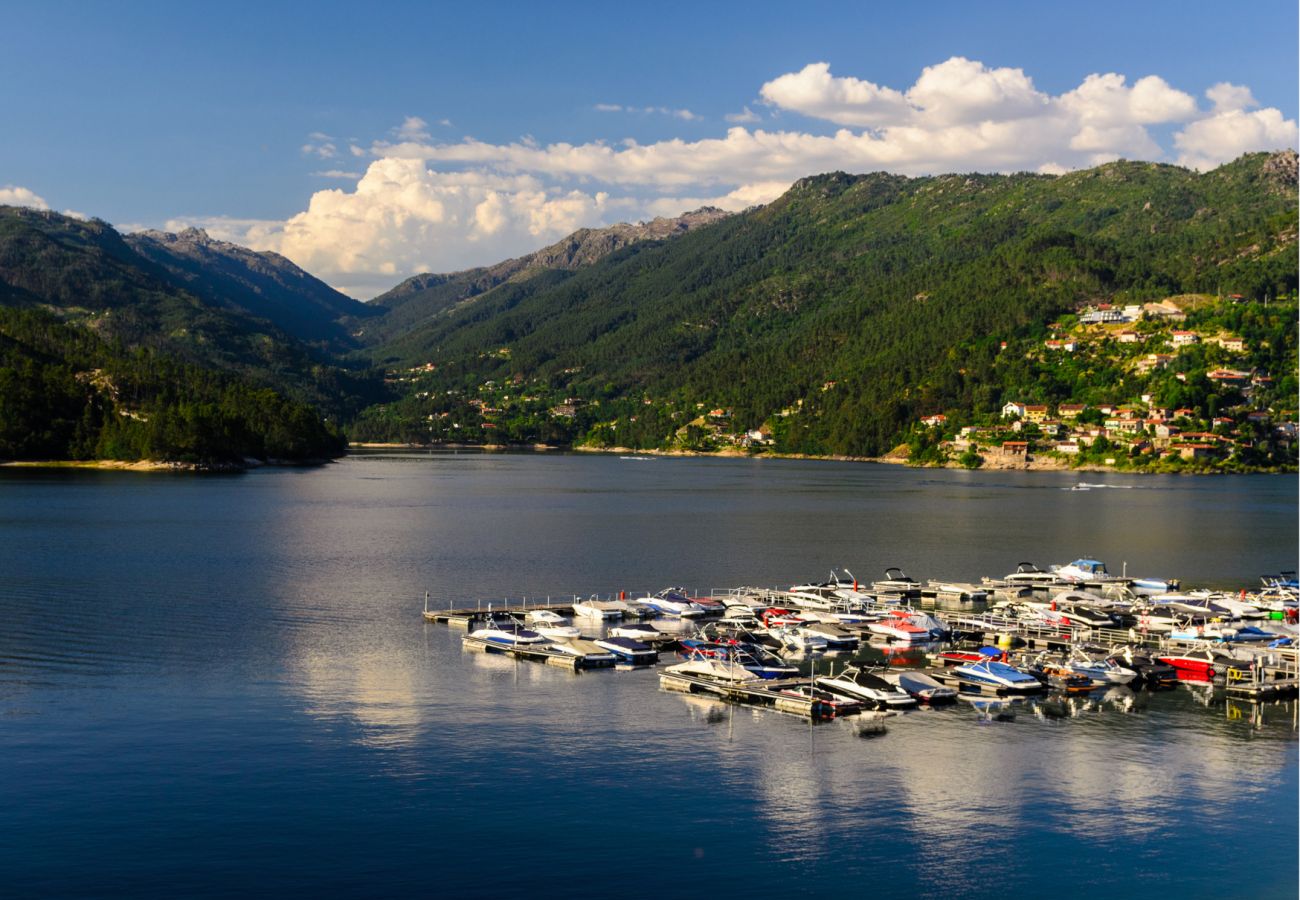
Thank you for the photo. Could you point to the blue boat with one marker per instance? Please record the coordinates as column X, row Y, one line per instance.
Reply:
column 998, row 675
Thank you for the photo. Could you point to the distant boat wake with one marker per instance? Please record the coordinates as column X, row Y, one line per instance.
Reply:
column 1086, row 486
column 638, row 458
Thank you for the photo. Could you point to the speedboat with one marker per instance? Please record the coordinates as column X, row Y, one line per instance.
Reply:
column 863, row 684
column 673, row 602
column 1084, row 570
column 1029, row 575
column 1151, row 671
column 595, row 608
column 896, row 581
column 798, row 638
column 961, row 593
column 588, row 651
column 720, row 670
column 920, row 685
column 998, row 675
column 835, row 636
column 1203, row 663
column 505, row 631
column 839, row 706
column 551, row 625
column 899, row 628
column 1060, row 678
column 629, row 650
column 758, row 662
column 1104, row 671
column 641, row 631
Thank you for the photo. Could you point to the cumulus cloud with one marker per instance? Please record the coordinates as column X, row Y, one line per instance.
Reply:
column 432, row 204
column 12, row 195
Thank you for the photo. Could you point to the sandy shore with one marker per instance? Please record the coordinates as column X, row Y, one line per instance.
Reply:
column 140, row 465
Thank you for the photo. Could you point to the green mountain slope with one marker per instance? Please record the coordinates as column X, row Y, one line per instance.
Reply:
column 65, row 393
column 86, row 273
column 853, row 303
column 417, row 300
column 263, row 285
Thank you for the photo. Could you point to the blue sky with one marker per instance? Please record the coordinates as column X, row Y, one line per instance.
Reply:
column 228, row 115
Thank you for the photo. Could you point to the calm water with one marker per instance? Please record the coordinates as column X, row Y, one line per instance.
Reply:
column 222, row 685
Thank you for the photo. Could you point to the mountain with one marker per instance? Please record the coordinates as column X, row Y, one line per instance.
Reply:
column 843, row 310
column 424, row 296
column 88, row 274
column 263, row 285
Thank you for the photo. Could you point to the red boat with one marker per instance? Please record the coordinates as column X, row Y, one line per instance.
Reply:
column 1204, row 663
column 959, row 657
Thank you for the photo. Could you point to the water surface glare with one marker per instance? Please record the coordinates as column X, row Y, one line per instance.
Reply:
column 217, row 686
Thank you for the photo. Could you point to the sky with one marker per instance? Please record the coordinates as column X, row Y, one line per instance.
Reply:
column 371, row 142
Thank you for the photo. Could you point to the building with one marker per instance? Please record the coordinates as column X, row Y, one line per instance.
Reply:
column 1128, row 337
column 1013, row 410
column 1071, row 410
column 1184, row 338
column 1036, row 413
column 938, row 420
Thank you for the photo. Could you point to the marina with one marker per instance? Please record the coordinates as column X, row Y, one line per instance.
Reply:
column 1069, row 630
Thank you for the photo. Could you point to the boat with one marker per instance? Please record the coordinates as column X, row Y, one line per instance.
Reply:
column 997, row 675
column 1151, row 672
column 595, row 608
column 588, row 651
column 1203, row 663
column 1103, row 671
column 506, row 631
column 719, row 670
column 859, row 683
column 798, row 638
column 1059, row 678
column 839, row 706
column 1029, row 575
column 641, row 631
column 551, row 625
column 920, row 685
column 958, row 593
column 836, row 636
column 1089, row 571
column 673, row 602
column 898, row 582
column 760, row 663
column 900, row 628
column 629, row 650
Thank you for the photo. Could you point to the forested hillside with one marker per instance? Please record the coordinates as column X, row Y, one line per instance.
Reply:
column 842, row 311
column 67, row 394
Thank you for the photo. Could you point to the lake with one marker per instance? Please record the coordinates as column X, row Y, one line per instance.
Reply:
column 222, row 685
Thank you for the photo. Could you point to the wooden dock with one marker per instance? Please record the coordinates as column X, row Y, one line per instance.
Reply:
column 758, row 692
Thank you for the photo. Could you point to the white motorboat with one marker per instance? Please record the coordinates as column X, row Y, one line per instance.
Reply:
column 550, row 624
column 505, row 631
column 797, row 637
column 897, row 582
column 673, row 602
column 920, row 685
column 858, row 683
column 1029, row 575
column 641, row 631
column 594, row 608
column 712, row 670
column 588, row 651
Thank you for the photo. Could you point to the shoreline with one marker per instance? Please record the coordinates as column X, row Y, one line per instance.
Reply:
column 155, row 465
column 1036, row 464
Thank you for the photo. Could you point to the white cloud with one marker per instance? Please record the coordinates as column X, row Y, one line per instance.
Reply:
column 444, row 205
column 813, row 91
column 320, row 145
column 1227, row 97
column 12, row 195
column 336, row 173
column 745, row 117
column 1226, row 135
column 960, row 91
column 683, row 114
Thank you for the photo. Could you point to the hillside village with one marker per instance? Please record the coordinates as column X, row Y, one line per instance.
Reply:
column 1198, row 397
